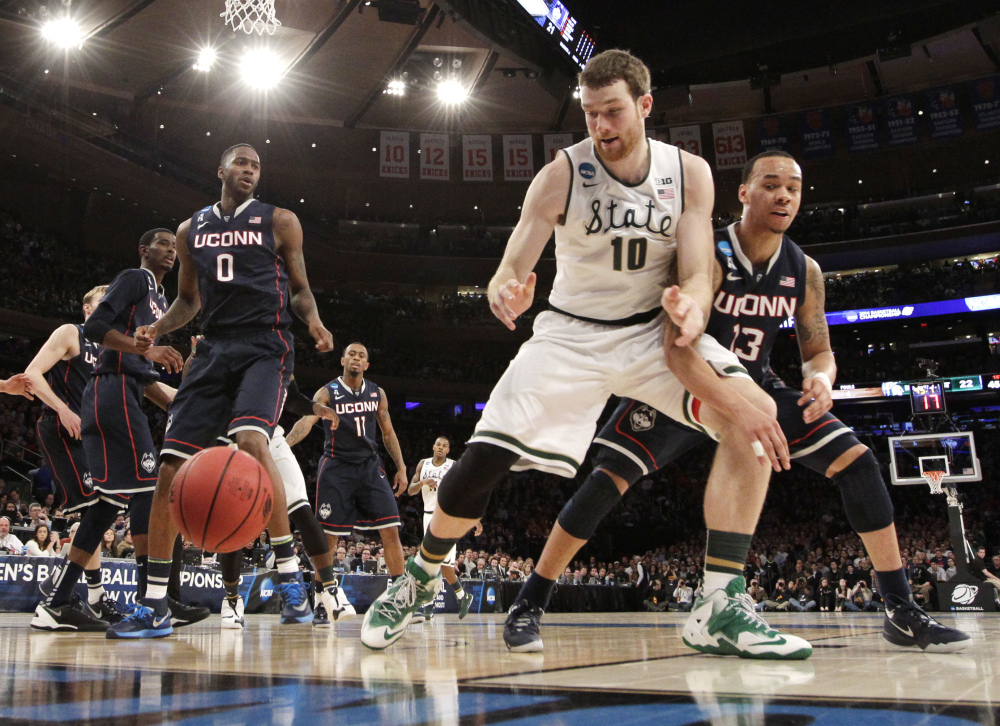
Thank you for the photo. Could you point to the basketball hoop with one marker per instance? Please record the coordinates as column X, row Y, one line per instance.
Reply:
column 251, row 16
column 934, row 479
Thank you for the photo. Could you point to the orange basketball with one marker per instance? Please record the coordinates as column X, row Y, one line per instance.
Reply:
column 221, row 499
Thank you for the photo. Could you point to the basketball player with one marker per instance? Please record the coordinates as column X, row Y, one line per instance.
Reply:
column 352, row 490
column 624, row 210
column 761, row 278
column 241, row 266
column 117, row 442
column 426, row 480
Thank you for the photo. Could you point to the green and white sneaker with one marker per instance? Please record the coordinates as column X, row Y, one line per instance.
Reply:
column 725, row 623
column 387, row 618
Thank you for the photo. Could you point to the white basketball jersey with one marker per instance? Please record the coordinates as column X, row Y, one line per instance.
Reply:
column 615, row 252
column 429, row 471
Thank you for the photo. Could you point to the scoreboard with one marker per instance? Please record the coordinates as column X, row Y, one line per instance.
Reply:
column 564, row 29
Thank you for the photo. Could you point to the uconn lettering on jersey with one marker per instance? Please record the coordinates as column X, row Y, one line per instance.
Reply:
column 360, row 407
column 228, row 239
column 628, row 219
column 764, row 306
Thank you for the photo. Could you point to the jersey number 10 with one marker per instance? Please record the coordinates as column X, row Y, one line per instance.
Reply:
column 636, row 253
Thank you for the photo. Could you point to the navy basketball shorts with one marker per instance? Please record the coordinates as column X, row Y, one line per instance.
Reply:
column 645, row 436
column 234, row 384
column 119, row 447
column 354, row 495
column 66, row 458
column 815, row 445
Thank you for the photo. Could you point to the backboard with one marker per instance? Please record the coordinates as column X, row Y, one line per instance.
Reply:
column 951, row 452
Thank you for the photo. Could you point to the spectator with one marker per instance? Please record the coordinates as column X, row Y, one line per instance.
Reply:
column 827, row 595
column 982, row 573
column 842, row 595
column 9, row 543
column 12, row 514
column 862, row 598
column 340, row 559
column 36, row 515
column 683, row 598
column 804, row 597
column 780, row 599
column 43, row 543
column 479, row 571
column 125, row 548
column 656, row 601
column 108, row 544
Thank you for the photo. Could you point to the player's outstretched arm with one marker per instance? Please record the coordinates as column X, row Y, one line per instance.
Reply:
column 63, row 344
column 161, row 394
column 288, row 237
column 819, row 367
column 695, row 256
column 304, row 425
column 416, row 482
column 17, row 385
column 188, row 301
column 298, row 404
column 399, row 483
column 512, row 289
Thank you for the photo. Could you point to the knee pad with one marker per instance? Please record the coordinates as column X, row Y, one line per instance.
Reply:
column 591, row 503
column 866, row 498
column 139, row 508
column 466, row 488
column 96, row 521
column 313, row 539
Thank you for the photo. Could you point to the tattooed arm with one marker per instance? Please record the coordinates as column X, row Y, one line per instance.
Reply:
column 819, row 368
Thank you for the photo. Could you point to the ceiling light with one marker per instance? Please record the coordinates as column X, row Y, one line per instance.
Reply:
column 451, row 92
column 261, row 69
column 396, row 87
column 65, row 33
column 206, row 57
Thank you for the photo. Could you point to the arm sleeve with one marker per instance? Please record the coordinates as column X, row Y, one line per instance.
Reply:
column 298, row 403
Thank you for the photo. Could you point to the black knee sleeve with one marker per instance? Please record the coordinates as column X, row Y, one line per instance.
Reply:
column 139, row 508
column 617, row 463
column 466, row 488
column 866, row 498
column 96, row 521
column 591, row 503
column 229, row 564
column 313, row 538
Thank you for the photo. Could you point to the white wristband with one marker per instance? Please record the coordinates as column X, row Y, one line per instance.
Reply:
column 825, row 378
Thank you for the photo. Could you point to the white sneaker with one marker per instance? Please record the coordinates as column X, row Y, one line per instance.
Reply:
column 232, row 618
column 338, row 607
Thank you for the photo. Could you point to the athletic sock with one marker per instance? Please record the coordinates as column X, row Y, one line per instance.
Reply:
column 458, row 590
column 327, row 579
column 141, row 571
column 725, row 555
column 537, row 590
column 284, row 555
column 65, row 582
column 432, row 554
column 95, row 588
column 157, row 576
column 232, row 592
column 174, row 582
column 893, row 582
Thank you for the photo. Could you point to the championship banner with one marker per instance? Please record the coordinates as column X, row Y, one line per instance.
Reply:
column 730, row 145
column 687, row 138
column 984, row 97
column 518, row 161
column 553, row 143
column 772, row 133
column 899, row 116
column 477, row 158
column 394, row 157
column 943, row 114
column 817, row 136
column 862, row 130
column 434, row 157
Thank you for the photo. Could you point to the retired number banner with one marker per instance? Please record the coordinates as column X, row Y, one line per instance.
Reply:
column 687, row 138
column 434, row 157
column 730, row 145
column 518, row 161
column 394, row 157
column 553, row 143
column 477, row 158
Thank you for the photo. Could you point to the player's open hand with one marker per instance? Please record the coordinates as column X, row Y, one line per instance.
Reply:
column 18, row 385
column 322, row 336
column 400, row 483
column 762, row 434
column 145, row 336
column 816, row 397
column 71, row 422
column 512, row 298
column 684, row 313
column 327, row 414
column 166, row 357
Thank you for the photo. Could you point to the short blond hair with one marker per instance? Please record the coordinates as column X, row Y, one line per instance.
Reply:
column 93, row 293
column 616, row 65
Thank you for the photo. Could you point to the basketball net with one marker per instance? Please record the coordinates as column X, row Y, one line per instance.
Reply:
column 934, row 479
column 251, row 16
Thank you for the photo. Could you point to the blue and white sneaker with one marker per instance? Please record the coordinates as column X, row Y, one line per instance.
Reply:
column 142, row 623
column 294, row 603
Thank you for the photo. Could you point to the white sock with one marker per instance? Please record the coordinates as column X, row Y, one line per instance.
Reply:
column 718, row 580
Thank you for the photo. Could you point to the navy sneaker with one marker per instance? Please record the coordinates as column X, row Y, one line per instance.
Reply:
column 907, row 625
column 142, row 623
column 294, row 603
column 521, row 631
column 320, row 619
column 74, row 616
column 110, row 610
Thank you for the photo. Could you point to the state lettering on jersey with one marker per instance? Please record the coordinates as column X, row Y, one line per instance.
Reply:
column 763, row 306
column 229, row 239
column 613, row 215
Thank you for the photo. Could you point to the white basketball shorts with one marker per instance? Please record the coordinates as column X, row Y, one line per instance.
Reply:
column 545, row 406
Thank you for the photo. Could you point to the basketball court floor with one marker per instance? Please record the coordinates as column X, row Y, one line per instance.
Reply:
column 609, row 669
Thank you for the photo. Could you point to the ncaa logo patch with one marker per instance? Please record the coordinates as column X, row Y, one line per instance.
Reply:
column 148, row 462
column 964, row 594
column 587, row 170
column 325, row 511
column 725, row 248
column 643, row 418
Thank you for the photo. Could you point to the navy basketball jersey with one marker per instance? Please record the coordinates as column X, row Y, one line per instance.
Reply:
column 241, row 277
column 751, row 304
column 136, row 300
column 354, row 438
column 68, row 378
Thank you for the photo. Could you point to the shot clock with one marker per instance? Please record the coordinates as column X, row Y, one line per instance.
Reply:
column 927, row 398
